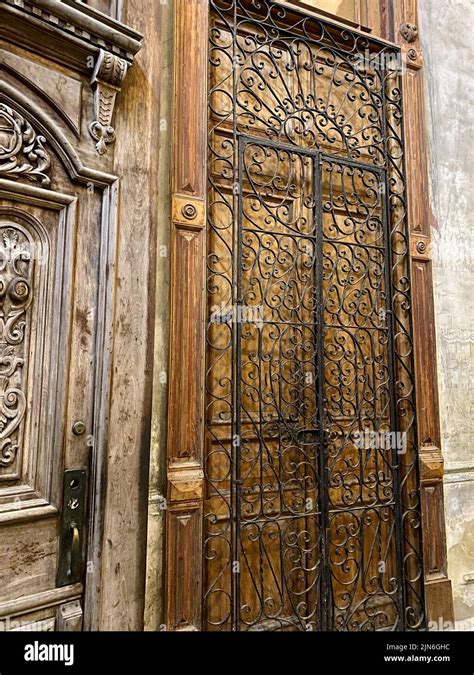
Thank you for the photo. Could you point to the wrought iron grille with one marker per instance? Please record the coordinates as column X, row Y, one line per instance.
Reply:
column 312, row 507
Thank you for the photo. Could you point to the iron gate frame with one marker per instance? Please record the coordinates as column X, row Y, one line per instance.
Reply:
column 240, row 140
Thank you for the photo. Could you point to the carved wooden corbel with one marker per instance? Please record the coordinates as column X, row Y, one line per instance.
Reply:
column 69, row 32
column 409, row 32
column 107, row 79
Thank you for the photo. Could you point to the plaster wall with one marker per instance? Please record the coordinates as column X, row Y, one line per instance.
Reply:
column 446, row 34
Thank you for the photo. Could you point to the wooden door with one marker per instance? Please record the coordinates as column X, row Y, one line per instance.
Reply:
column 52, row 280
column 48, row 275
column 58, row 202
column 261, row 413
column 302, row 527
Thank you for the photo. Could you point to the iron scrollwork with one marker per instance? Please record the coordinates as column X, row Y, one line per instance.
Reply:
column 309, row 345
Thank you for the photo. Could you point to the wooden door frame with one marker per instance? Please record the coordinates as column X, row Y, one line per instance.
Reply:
column 185, row 434
column 185, row 431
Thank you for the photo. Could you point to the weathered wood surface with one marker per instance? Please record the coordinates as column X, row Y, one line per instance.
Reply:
column 58, row 221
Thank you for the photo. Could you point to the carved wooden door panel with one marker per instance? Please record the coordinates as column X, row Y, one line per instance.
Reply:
column 57, row 211
column 48, row 274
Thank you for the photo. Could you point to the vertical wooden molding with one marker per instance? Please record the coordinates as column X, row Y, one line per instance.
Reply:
column 437, row 585
column 187, row 320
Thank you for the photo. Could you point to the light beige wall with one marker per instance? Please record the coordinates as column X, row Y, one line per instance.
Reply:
column 446, row 33
column 346, row 9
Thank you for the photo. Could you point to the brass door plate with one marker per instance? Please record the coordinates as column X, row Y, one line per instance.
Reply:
column 70, row 565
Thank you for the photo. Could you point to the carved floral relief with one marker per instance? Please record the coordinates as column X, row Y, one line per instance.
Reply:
column 22, row 150
column 16, row 268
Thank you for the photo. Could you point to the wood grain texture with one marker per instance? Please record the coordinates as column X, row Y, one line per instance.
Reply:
column 183, row 547
column 67, row 32
column 425, row 353
column 66, row 192
column 187, row 313
column 185, row 420
column 70, row 616
column 189, row 97
column 362, row 14
column 124, row 537
column 40, row 601
column 62, row 209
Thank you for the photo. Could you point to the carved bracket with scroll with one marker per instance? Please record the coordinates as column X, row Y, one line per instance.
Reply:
column 107, row 78
column 77, row 36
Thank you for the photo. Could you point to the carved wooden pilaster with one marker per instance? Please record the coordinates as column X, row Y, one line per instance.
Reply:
column 187, row 321
column 437, row 585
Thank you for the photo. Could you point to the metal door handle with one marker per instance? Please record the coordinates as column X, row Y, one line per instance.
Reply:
column 70, row 561
column 75, row 550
